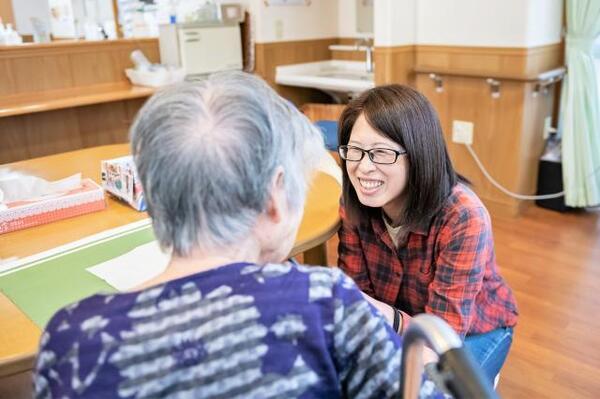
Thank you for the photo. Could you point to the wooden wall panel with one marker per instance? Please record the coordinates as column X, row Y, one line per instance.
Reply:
column 13, row 141
column 7, row 80
column 51, row 132
column 270, row 55
column 6, row 12
column 45, row 133
column 316, row 112
column 107, row 123
column 67, row 64
column 508, row 130
column 494, row 61
column 88, row 69
column 507, row 134
column 394, row 65
column 26, row 70
column 40, row 73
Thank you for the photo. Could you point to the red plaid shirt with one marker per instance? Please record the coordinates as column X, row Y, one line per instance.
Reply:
column 447, row 269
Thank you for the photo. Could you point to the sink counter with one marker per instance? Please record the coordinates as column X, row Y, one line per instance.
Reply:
column 332, row 75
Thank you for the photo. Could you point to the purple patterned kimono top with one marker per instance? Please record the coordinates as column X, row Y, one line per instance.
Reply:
column 238, row 331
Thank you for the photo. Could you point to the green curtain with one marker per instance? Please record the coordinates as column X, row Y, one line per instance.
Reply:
column 580, row 106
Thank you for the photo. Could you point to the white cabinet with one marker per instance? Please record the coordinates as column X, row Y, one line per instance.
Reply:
column 201, row 49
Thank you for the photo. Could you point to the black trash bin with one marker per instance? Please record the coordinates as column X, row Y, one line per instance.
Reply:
column 550, row 179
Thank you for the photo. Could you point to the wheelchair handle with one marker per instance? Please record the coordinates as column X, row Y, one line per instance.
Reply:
column 459, row 372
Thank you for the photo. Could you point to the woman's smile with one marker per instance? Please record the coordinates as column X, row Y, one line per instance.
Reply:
column 369, row 186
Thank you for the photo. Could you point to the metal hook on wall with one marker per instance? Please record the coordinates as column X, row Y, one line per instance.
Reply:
column 494, row 87
column 438, row 82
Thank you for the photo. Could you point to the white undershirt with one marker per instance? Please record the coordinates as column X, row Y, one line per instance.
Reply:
column 398, row 234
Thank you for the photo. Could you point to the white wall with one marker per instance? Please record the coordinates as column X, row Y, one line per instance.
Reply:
column 545, row 22
column 493, row 23
column 487, row 23
column 288, row 23
column 347, row 18
column 23, row 10
column 395, row 22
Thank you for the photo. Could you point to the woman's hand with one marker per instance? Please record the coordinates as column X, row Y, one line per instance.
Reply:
column 386, row 310
column 429, row 356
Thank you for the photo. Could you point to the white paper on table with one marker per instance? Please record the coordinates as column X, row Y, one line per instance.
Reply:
column 133, row 268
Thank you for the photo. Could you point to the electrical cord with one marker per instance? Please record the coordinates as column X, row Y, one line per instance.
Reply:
column 505, row 190
column 510, row 193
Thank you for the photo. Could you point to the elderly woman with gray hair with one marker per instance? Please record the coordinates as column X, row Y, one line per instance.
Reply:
column 225, row 165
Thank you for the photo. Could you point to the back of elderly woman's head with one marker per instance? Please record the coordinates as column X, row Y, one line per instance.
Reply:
column 206, row 154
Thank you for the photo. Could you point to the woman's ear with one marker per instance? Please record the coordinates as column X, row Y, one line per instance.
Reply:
column 277, row 202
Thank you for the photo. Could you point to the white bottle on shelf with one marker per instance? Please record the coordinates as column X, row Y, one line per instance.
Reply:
column 12, row 37
column 2, row 34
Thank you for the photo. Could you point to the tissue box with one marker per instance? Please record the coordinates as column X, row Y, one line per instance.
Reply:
column 28, row 213
column 120, row 179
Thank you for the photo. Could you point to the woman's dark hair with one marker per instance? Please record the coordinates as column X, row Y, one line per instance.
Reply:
column 405, row 116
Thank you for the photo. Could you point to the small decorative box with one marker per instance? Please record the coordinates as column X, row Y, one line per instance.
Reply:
column 120, row 179
column 18, row 215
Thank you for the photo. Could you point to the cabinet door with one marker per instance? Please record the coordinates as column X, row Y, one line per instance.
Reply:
column 210, row 49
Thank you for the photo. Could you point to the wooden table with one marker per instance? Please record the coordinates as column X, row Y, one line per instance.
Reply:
column 19, row 336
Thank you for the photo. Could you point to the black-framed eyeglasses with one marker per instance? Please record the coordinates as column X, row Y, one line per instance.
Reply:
column 383, row 156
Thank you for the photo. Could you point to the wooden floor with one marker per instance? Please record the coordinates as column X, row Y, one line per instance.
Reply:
column 552, row 262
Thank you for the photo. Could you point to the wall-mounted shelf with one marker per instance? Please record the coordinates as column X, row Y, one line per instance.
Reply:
column 29, row 103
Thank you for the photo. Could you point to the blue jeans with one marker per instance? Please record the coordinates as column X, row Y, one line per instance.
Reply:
column 490, row 349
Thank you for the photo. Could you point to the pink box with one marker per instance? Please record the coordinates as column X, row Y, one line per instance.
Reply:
column 23, row 214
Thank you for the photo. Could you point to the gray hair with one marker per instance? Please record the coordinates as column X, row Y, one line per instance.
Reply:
column 206, row 153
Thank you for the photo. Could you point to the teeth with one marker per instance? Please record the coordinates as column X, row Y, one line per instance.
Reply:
column 370, row 183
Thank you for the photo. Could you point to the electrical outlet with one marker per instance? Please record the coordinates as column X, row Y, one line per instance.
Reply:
column 462, row 132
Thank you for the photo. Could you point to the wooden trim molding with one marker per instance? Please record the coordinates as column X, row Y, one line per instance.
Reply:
column 71, row 46
column 397, row 64
column 394, row 65
column 523, row 63
column 23, row 104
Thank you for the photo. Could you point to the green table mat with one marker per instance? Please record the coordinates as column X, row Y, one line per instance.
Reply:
column 40, row 290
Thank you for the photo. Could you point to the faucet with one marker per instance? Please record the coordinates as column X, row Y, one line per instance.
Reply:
column 368, row 49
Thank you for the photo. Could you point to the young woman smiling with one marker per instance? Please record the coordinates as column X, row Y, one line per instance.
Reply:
column 414, row 237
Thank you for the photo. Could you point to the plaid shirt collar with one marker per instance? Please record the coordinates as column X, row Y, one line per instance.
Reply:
column 380, row 230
